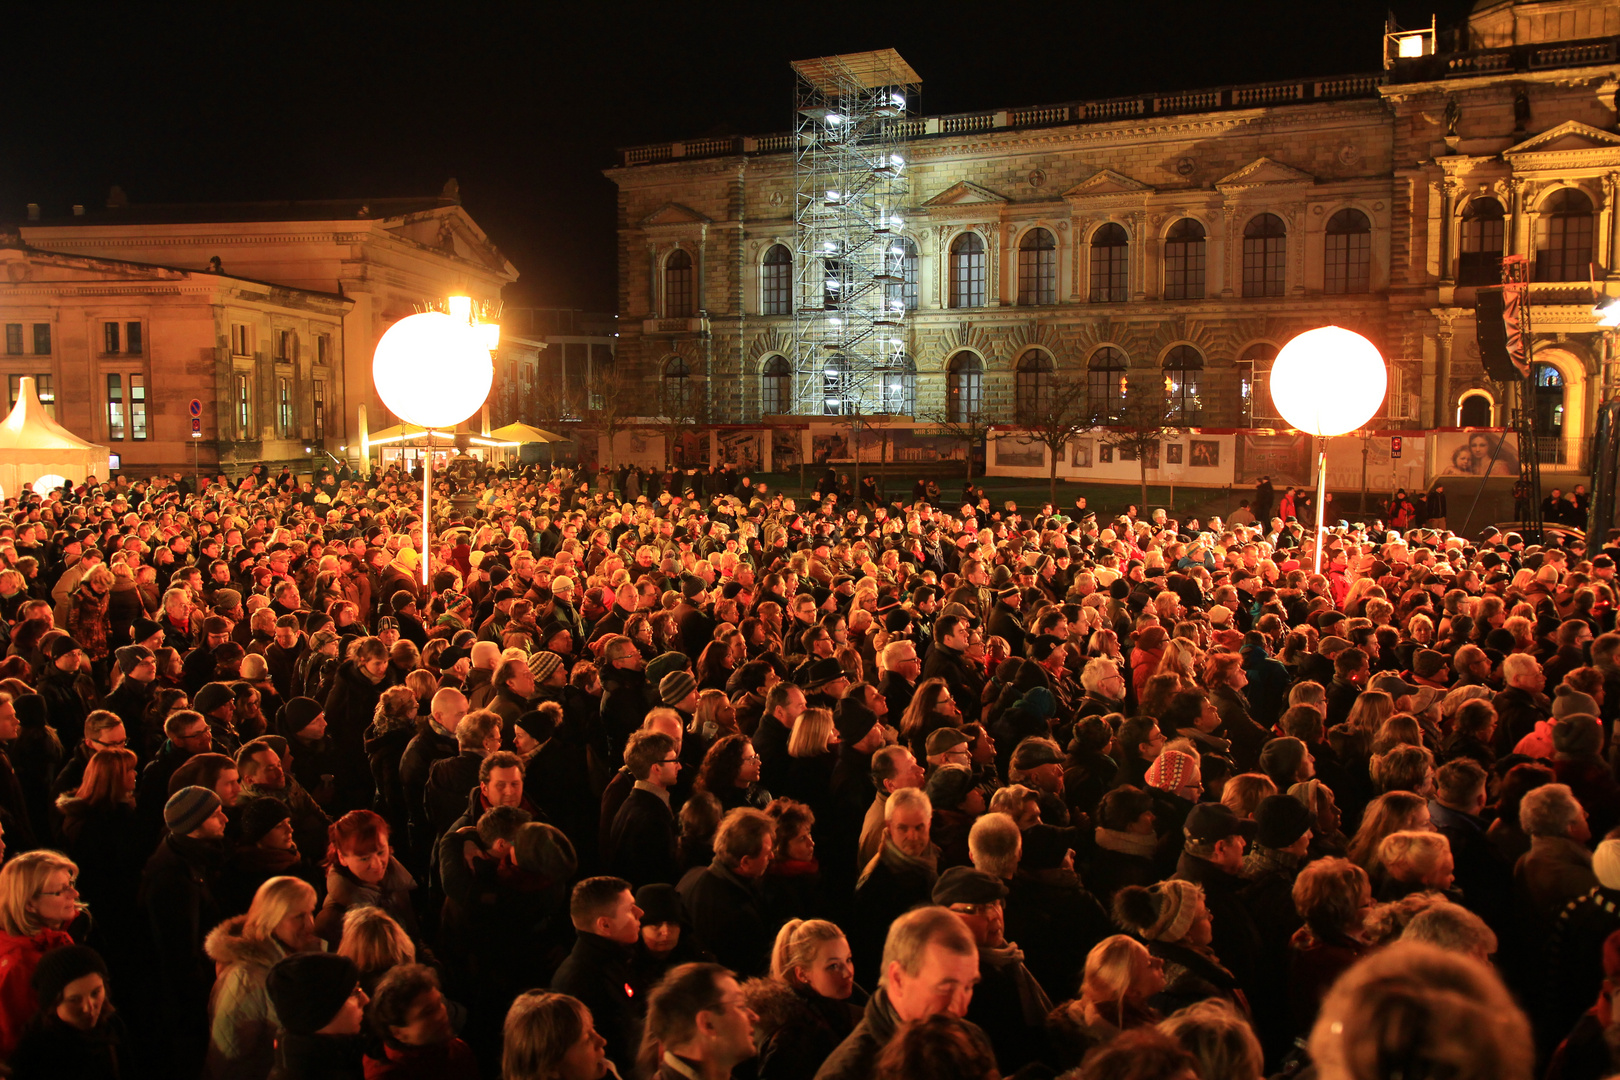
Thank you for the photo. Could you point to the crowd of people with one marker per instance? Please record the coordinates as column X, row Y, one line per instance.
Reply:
column 706, row 783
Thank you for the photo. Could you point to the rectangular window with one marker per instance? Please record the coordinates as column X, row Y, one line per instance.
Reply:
column 1110, row 273
column 318, row 407
column 115, row 405
column 1184, row 269
column 284, row 345
column 137, row 407
column 244, row 405
column 323, row 343
column 111, row 334
column 45, row 390
column 241, row 339
column 1264, row 265
column 42, row 339
column 1348, row 262
column 284, row 412
column 14, row 339
column 1037, row 275
column 132, row 338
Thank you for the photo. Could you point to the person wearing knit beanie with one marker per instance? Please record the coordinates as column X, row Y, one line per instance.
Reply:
column 262, row 815
column 1176, row 772
column 298, row 714
column 195, row 811
column 542, row 664
column 317, row 994
column 678, row 690
column 1171, row 911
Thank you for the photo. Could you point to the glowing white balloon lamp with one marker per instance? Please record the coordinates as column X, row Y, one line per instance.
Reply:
column 1326, row 382
column 435, row 370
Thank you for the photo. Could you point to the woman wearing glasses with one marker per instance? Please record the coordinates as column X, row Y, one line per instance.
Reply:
column 38, row 902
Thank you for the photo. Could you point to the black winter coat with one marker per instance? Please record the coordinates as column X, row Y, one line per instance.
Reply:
column 642, row 843
column 731, row 917
column 349, row 709
column 53, row 1050
column 384, row 751
column 599, row 972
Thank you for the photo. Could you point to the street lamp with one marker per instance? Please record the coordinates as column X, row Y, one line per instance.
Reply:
column 434, row 369
column 1326, row 382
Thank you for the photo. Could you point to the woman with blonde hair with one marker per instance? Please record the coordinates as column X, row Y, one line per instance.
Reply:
column 242, row 1031
column 87, row 613
column 1434, row 1012
column 38, row 901
column 552, row 1037
column 1120, row 977
column 808, row 1004
column 1391, row 812
column 1182, row 659
column 375, row 942
column 1219, row 1038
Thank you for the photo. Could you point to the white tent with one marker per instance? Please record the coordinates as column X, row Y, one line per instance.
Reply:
column 33, row 445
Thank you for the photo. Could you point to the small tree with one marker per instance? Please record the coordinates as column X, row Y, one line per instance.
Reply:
column 969, row 428
column 1140, row 429
column 682, row 405
column 603, row 410
column 1061, row 413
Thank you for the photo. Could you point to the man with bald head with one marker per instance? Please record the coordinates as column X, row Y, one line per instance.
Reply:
column 436, row 741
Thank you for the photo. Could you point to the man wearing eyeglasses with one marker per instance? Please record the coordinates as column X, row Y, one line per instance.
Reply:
column 641, row 846
column 103, row 730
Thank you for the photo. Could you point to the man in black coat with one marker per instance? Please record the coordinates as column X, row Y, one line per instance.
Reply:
column 946, row 660
column 444, row 796
column 1212, row 858
column 434, row 741
column 625, row 699
column 783, row 705
column 1004, row 621
column 178, row 897
column 641, row 846
column 898, row 878
column 599, row 971
column 725, row 900
column 1521, row 706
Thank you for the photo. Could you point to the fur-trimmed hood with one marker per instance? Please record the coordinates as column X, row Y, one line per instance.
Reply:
column 227, row 944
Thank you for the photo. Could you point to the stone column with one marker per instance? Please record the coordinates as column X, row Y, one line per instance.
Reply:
column 1442, row 373
column 1448, row 201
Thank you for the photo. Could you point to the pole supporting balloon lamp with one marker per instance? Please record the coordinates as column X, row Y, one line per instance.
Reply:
column 1326, row 382
column 434, row 369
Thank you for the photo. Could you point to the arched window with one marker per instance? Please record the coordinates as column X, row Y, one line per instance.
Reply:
column 1184, row 261
column 1109, row 267
column 677, row 389
column 964, row 386
column 1265, row 259
column 1037, row 268
column 1034, row 382
column 1474, row 411
column 1564, row 237
column 776, row 387
column 1347, row 254
column 1483, row 229
column 902, row 263
column 1182, row 369
column 1105, row 383
column 678, row 285
column 776, row 281
column 899, row 382
column 968, row 276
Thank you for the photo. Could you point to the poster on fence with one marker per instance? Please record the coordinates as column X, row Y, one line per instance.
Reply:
column 786, row 448
column 1476, row 452
column 1021, row 453
column 1284, row 458
column 925, row 444
column 828, row 446
column 744, row 449
column 691, row 448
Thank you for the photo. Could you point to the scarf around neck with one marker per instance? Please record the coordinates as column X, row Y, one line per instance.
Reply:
column 1126, row 843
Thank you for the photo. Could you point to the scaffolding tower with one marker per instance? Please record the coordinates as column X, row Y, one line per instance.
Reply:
column 852, row 121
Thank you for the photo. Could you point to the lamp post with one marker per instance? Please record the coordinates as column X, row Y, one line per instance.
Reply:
column 434, row 369
column 1326, row 382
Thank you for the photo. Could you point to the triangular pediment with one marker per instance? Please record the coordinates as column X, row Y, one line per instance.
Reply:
column 965, row 193
column 673, row 213
column 19, row 264
column 1261, row 171
column 1570, row 135
column 1107, row 182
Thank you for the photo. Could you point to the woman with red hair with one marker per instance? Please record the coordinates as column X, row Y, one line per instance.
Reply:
column 361, row 871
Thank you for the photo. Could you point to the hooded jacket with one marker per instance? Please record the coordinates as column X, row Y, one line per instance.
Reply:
column 19, row 956
column 242, row 1025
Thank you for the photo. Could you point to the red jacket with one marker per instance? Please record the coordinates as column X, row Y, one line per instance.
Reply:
column 445, row 1061
column 19, row 956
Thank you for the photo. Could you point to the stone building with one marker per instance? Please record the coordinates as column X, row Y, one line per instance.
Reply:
column 1178, row 240
column 379, row 259
column 118, row 350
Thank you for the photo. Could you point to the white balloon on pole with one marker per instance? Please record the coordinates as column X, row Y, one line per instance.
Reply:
column 432, row 370
column 1328, row 381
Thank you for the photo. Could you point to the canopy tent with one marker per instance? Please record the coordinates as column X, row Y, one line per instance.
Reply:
column 32, row 445
column 522, row 433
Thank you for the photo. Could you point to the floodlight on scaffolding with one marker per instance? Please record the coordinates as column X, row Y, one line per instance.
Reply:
column 832, row 197
column 834, row 119
column 829, row 246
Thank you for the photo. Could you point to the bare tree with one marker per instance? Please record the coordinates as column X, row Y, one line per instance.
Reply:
column 680, row 405
column 967, row 427
column 1141, row 427
column 1060, row 413
column 604, row 408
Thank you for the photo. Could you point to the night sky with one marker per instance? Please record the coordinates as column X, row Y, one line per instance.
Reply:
column 525, row 103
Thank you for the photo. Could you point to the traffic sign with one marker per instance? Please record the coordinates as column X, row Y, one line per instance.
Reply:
column 196, row 408
column 1395, row 446
column 196, row 427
